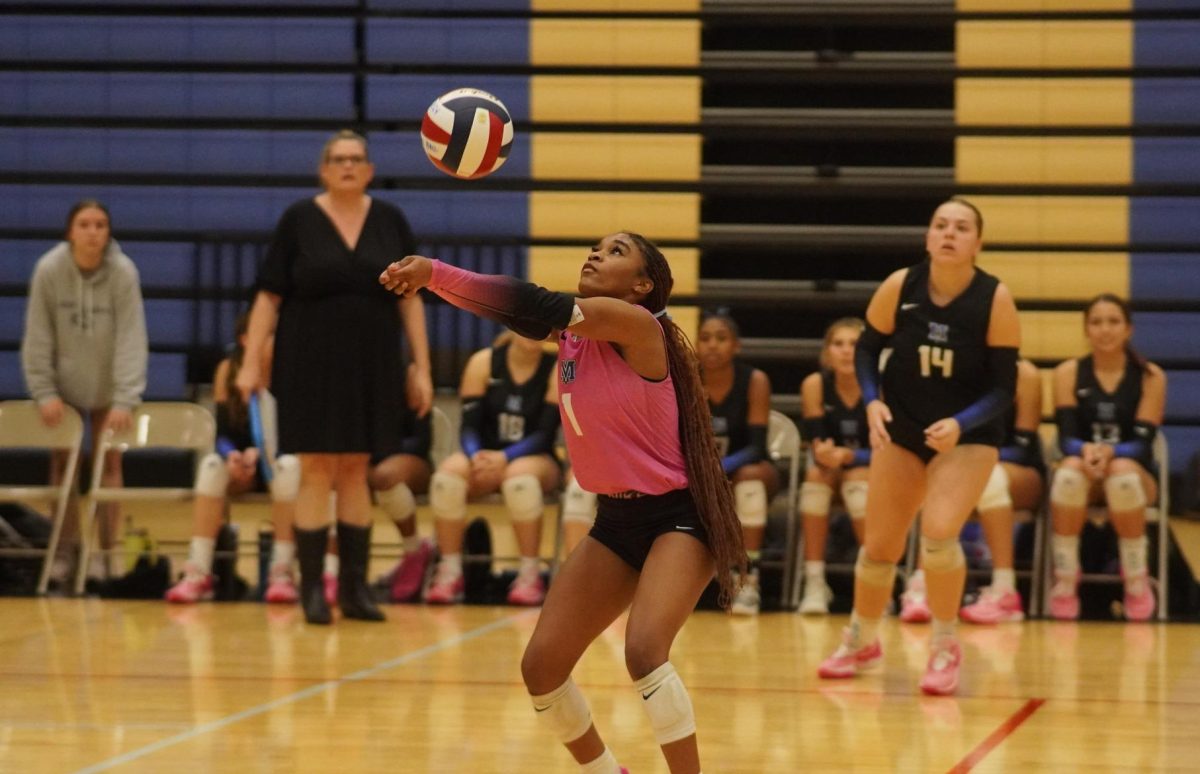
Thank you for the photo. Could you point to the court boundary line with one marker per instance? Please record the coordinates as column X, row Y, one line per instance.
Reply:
column 304, row 693
column 993, row 740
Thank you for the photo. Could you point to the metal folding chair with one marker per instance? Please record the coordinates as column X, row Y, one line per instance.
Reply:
column 783, row 449
column 21, row 427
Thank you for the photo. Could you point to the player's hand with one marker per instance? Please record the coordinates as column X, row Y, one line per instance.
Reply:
column 878, row 415
column 488, row 463
column 943, row 435
column 826, row 454
column 249, row 380
column 51, row 411
column 250, row 457
column 418, row 388
column 118, row 420
column 406, row 277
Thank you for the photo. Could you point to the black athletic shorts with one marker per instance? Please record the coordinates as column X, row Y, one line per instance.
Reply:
column 910, row 434
column 629, row 526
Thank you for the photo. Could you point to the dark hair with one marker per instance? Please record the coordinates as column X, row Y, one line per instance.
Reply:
column 721, row 313
column 344, row 134
column 707, row 481
column 239, row 412
column 1127, row 313
column 87, row 204
column 844, row 322
column 969, row 206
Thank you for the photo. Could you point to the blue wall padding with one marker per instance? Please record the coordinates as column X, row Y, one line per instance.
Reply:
column 1164, row 276
column 400, row 154
column 1182, row 443
column 1164, row 220
column 448, row 41
column 407, row 97
column 1171, row 44
column 1166, row 160
column 1166, row 101
column 1167, row 335
column 450, row 5
column 1183, row 396
column 166, row 376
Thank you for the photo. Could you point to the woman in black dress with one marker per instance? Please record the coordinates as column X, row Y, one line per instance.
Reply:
column 337, row 371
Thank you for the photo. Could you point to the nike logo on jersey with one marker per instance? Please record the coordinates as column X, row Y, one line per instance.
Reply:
column 646, row 696
column 906, row 307
column 1083, row 392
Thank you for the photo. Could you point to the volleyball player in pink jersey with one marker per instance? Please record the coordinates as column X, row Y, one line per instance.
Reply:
column 638, row 430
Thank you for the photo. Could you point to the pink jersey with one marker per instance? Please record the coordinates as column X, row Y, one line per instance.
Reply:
column 622, row 430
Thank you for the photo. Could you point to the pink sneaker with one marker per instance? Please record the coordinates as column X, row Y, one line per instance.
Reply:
column 330, row 582
column 847, row 661
column 914, row 608
column 194, row 586
column 281, row 586
column 1064, row 597
column 994, row 607
column 446, row 589
column 1139, row 598
column 527, row 590
column 941, row 675
column 406, row 582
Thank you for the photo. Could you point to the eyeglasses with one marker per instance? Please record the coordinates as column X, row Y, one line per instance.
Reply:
column 338, row 161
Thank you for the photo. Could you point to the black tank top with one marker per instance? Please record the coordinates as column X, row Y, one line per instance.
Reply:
column 1107, row 417
column 511, row 410
column 939, row 360
column 846, row 425
column 729, row 416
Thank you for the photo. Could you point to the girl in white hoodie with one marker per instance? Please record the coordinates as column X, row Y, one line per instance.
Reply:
column 85, row 338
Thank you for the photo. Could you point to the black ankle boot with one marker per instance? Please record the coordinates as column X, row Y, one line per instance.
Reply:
column 354, row 552
column 310, row 549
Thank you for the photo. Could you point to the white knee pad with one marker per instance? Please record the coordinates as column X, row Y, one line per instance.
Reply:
column 448, row 496
column 854, row 497
column 285, row 484
column 1069, row 489
column 995, row 493
column 579, row 505
column 814, row 498
column 398, row 502
column 942, row 555
column 523, row 496
column 874, row 573
column 1124, row 492
column 212, row 477
column 564, row 712
column 750, row 502
column 668, row 704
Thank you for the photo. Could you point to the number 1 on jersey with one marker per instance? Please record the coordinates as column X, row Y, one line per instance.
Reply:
column 565, row 399
column 936, row 357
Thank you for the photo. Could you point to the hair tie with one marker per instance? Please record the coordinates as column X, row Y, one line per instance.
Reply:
column 662, row 313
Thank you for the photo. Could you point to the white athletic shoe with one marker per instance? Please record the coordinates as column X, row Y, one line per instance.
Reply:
column 817, row 596
column 748, row 599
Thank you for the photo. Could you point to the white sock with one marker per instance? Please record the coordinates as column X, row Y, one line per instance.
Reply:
column 916, row 580
column 283, row 552
column 1004, row 579
column 606, row 763
column 201, row 553
column 1066, row 553
column 529, row 565
column 331, row 564
column 944, row 629
column 814, row 570
column 452, row 563
column 863, row 631
column 1133, row 556
column 411, row 543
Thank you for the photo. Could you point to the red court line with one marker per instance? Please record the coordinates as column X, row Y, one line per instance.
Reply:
column 996, row 737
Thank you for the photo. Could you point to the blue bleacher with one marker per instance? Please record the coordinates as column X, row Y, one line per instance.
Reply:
column 12, row 318
column 12, row 381
column 170, row 209
column 1166, row 101
column 160, row 264
column 1166, row 44
column 248, row 4
column 176, row 95
column 400, row 154
column 1183, row 396
column 407, row 97
column 1167, row 335
column 1166, row 160
column 1164, row 276
column 166, row 376
column 448, row 41
column 169, row 39
column 451, row 5
column 1184, row 443
column 1164, row 220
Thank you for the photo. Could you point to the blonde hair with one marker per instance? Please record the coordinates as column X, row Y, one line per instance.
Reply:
column 344, row 134
column 845, row 322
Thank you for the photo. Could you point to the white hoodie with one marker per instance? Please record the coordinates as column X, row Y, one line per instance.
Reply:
column 85, row 333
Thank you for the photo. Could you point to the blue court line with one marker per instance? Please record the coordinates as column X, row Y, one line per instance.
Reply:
column 362, row 674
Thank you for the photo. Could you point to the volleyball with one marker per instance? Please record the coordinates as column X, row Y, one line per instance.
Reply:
column 467, row 133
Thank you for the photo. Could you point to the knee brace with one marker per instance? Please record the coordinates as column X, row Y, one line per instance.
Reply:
column 523, row 496
column 579, row 505
column 398, row 502
column 668, row 704
column 1124, row 492
column 1070, row 488
column 564, row 712
column 814, row 498
column 285, row 484
column 874, row 573
column 750, row 502
column 941, row 555
column 995, row 493
column 448, row 497
column 854, row 497
column 212, row 477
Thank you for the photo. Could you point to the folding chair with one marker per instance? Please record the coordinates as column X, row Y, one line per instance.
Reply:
column 21, row 427
column 181, row 426
column 783, row 447
column 1156, row 513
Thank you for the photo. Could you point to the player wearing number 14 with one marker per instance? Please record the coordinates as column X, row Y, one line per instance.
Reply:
column 935, row 430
